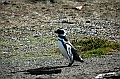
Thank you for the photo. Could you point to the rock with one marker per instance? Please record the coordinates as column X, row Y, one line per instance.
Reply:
column 118, row 7
column 6, row 2
column 87, row 4
column 78, row 8
column 52, row 1
column 34, row 13
column 36, row 35
column 66, row 21
column 87, row 21
column 100, row 76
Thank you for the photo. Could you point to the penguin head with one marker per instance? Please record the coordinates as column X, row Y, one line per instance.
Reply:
column 61, row 32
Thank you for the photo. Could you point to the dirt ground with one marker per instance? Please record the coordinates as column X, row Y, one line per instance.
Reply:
column 87, row 70
column 27, row 39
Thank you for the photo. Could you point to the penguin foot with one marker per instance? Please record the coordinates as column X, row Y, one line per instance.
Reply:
column 69, row 65
column 81, row 60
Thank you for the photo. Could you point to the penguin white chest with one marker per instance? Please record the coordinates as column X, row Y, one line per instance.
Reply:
column 62, row 49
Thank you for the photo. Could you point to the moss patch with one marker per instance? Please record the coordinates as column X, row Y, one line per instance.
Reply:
column 96, row 47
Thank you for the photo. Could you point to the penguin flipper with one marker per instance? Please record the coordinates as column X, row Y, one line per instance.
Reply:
column 70, row 55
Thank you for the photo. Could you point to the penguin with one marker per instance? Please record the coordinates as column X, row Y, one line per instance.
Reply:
column 66, row 48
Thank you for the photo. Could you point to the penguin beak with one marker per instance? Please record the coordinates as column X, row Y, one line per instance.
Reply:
column 55, row 32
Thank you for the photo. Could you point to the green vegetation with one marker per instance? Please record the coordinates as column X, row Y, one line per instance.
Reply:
column 96, row 47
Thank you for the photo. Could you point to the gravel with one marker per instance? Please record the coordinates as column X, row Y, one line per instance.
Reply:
column 27, row 31
column 87, row 70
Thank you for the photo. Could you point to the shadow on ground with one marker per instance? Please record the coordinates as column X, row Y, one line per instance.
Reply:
column 44, row 70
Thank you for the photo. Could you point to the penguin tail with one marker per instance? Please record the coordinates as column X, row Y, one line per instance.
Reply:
column 78, row 58
column 81, row 60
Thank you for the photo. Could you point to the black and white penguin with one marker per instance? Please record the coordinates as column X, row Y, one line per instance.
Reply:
column 66, row 48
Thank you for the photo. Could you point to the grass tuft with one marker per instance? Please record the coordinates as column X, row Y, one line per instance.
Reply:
column 93, row 47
